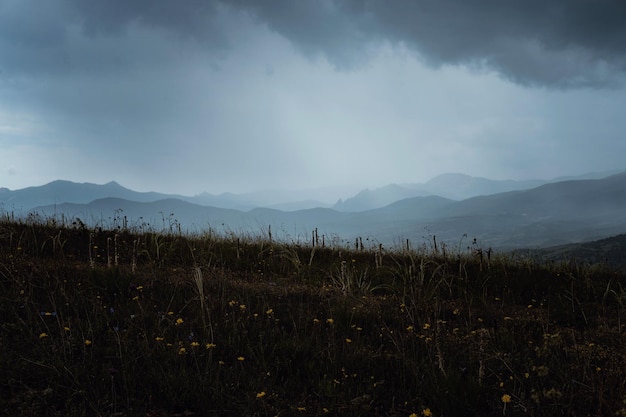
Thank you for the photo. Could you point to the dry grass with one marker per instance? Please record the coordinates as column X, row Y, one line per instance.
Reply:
column 221, row 326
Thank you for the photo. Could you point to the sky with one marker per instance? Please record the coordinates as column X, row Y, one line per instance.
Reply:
column 235, row 96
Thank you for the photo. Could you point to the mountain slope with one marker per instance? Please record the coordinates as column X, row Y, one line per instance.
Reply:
column 452, row 186
column 565, row 212
column 371, row 199
column 552, row 214
column 158, row 215
column 58, row 192
column 567, row 199
column 610, row 251
column 548, row 215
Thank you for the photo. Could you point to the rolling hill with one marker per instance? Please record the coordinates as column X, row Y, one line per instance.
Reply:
column 552, row 214
column 451, row 186
column 610, row 251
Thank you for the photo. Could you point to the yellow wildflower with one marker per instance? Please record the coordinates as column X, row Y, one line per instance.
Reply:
column 348, row 340
column 182, row 351
column 241, row 359
column 261, row 394
column 87, row 342
column 195, row 344
column 179, row 321
column 210, row 345
column 426, row 412
column 506, row 398
column 426, row 326
column 269, row 311
column 330, row 321
column 159, row 339
column 43, row 335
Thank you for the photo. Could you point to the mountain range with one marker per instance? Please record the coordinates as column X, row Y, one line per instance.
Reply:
column 499, row 214
column 453, row 186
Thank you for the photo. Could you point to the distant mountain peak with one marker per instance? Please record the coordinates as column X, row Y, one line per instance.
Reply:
column 68, row 183
column 59, row 182
column 448, row 175
column 453, row 178
column 113, row 184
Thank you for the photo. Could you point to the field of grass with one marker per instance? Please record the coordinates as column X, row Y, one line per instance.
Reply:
column 123, row 323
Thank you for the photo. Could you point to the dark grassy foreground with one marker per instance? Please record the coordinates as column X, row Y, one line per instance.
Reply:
column 122, row 324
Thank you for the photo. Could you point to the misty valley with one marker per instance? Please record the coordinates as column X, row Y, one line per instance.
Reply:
column 455, row 209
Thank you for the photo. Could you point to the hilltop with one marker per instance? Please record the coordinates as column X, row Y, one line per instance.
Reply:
column 134, row 323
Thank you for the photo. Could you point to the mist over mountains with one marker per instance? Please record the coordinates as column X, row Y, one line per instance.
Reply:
column 453, row 207
column 453, row 186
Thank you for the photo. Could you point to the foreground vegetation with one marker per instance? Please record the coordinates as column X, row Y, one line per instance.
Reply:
column 121, row 323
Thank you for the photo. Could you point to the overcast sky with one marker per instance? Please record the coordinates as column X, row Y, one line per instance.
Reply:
column 199, row 95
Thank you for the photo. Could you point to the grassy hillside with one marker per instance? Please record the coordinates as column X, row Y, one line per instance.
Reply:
column 122, row 323
column 609, row 251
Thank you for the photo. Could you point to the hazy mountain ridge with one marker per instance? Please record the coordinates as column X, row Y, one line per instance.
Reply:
column 160, row 214
column 371, row 199
column 548, row 215
column 453, row 186
column 61, row 191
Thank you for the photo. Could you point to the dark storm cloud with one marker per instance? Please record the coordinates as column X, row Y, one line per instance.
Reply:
column 69, row 36
column 554, row 43
column 190, row 17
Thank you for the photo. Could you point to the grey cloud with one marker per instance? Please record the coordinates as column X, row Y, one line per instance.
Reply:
column 561, row 43
column 190, row 18
column 69, row 36
column 553, row 43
